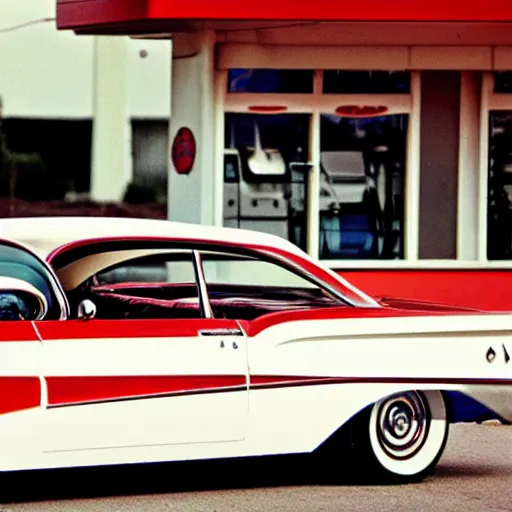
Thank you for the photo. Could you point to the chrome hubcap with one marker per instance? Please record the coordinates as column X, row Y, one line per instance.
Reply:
column 402, row 425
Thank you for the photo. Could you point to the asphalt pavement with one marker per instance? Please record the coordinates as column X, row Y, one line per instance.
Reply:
column 474, row 475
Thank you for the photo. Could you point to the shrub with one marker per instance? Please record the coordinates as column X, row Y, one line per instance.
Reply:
column 139, row 194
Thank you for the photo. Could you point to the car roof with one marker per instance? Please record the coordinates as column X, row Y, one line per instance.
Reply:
column 45, row 234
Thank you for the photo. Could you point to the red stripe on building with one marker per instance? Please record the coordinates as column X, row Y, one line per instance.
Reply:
column 486, row 289
column 89, row 13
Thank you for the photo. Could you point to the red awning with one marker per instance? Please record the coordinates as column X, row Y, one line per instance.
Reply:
column 146, row 16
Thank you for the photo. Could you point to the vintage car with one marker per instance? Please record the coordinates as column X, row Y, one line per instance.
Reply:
column 133, row 340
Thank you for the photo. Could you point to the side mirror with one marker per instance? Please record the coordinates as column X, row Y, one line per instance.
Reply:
column 86, row 310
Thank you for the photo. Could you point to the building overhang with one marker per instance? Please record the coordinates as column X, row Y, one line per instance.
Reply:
column 162, row 17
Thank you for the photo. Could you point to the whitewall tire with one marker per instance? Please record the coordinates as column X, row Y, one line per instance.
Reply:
column 402, row 436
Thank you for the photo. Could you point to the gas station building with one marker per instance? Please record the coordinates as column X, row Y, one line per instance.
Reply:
column 377, row 136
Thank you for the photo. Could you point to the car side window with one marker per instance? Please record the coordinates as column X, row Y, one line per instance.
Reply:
column 243, row 287
column 150, row 287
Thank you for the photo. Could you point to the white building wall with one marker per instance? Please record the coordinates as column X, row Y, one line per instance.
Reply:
column 51, row 74
column 191, row 197
column 148, row 77
column 45, row 73
column 131, row 81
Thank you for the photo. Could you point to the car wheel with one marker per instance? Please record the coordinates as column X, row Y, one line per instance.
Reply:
column 401, row 437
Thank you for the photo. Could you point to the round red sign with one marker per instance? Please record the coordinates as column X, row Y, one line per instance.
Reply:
column 183, row 151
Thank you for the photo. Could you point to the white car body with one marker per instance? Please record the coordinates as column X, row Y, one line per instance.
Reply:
column 85, row 392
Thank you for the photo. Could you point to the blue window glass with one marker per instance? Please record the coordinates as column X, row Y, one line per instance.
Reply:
column 366, row 82
column 287, row 81
column 362, row 164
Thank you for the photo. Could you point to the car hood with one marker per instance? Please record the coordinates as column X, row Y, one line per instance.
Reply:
column 419, row 305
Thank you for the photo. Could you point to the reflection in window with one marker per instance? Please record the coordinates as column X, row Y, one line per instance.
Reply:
column 499, row 199
column 265, row 174
column 270, row 81
column 503, row 82
column 366, row 82
column 361, row 196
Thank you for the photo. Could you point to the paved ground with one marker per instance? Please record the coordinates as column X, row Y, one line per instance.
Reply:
column 474, row 475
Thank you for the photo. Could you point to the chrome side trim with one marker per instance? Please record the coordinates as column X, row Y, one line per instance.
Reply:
column 220, row 332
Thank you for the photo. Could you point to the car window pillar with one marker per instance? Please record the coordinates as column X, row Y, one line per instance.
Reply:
column 204, row 301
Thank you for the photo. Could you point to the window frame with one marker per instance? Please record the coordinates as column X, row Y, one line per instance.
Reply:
column 490, row 101
column 281, row 263
column 353, row 298
column 338, row 299
column 205, row 310
column 315, row 104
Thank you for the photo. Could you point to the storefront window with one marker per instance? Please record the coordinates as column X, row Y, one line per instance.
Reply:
column 366, row 82
column 359, row 157
column 362, row 187
column 289, row 81
column 499, row 192
column 266, row 174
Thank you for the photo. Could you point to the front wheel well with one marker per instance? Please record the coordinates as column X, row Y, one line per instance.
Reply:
column 448, row 402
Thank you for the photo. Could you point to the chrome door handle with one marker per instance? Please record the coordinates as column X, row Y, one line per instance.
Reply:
column 220, row 332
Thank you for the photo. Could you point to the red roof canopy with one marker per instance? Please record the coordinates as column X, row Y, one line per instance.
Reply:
column 146, row 16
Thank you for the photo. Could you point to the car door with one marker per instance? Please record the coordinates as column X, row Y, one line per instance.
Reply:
column 28, row 292
column 20, row 399
column 143, row 380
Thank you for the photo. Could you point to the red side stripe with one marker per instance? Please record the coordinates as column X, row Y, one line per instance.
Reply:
column 78, row 329
column 278, row 381
column 263, row 380
column 19, row 393
column 76, row 390
column 254, row 327
column 86, row 390
column 18, row 331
